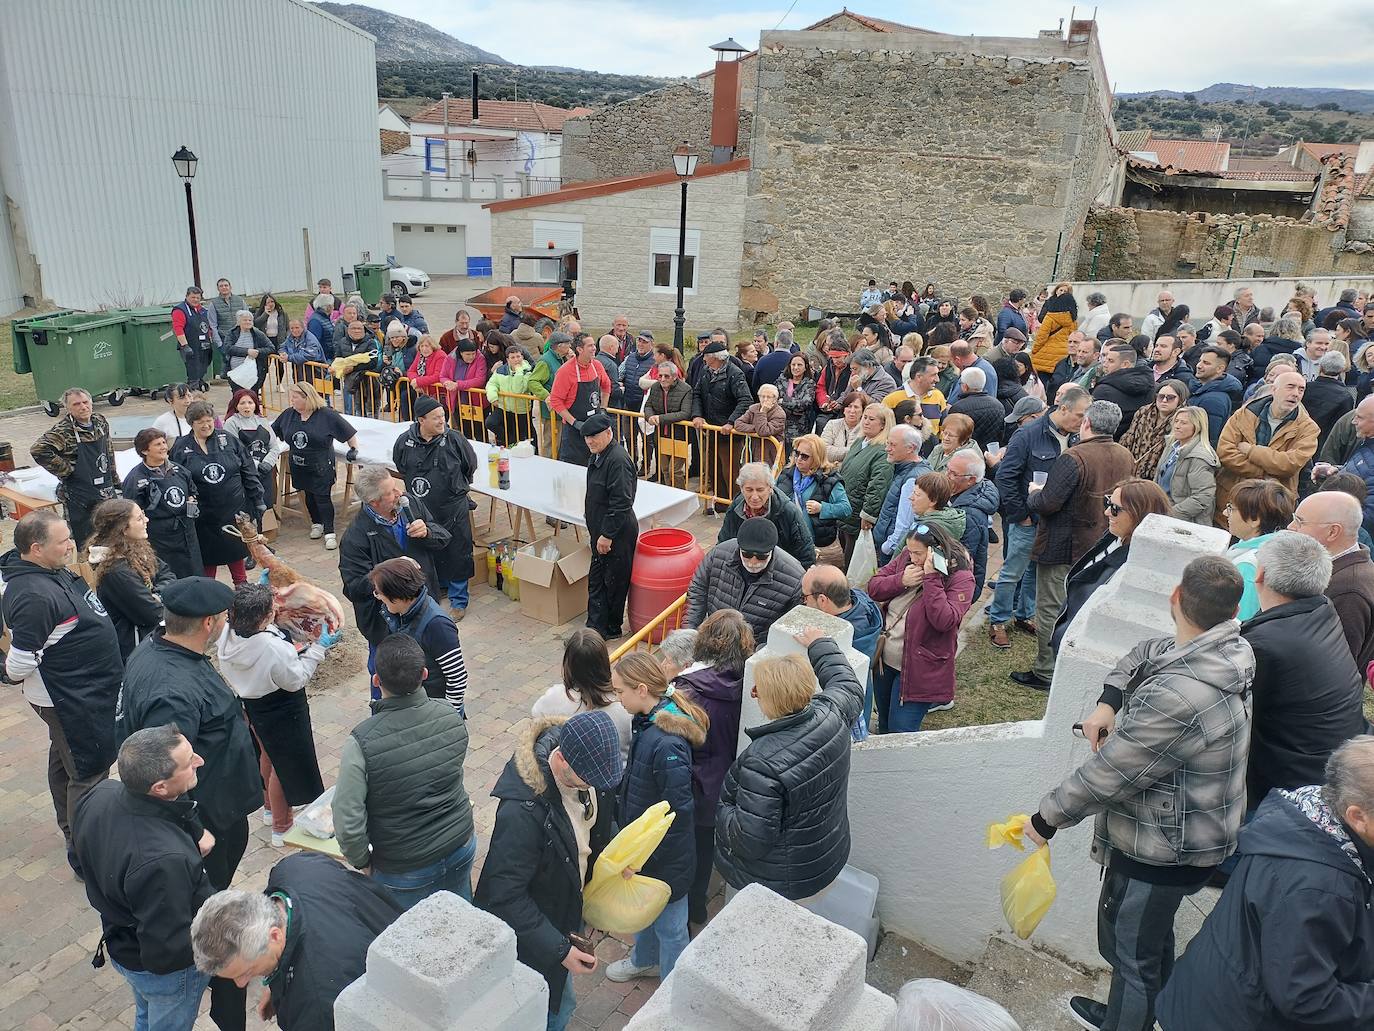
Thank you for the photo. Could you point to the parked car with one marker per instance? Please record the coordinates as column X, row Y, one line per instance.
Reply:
column 408, row 280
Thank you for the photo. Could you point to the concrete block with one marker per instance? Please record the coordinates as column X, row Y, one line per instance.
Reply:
column 766, row 964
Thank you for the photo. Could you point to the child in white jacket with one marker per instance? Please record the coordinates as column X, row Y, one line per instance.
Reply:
column 262, row 665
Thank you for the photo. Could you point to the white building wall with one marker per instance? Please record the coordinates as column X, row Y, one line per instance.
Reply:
column 475, row 219
column 1136, row 297
column 536, row 154
column 98, row 97
column 615, row 266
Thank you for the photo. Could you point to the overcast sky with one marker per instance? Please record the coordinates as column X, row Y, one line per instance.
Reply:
column 1148, row 44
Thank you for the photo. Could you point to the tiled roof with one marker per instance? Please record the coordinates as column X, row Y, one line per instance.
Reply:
column 1364, row 185
column 1133, row 139
column 1323, row 150
column 1332, row 209
column 1294, row 175
column 394, row 142
column 500, row 114
column 623, row 184
column 876, row 24
column 1193, row 155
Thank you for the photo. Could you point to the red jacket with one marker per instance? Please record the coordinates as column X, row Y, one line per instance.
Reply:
column 438, row 367
column 565, row 382
column 932, row 627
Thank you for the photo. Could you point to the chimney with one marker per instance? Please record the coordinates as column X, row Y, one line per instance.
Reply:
column 475, row 118
column 725, row 101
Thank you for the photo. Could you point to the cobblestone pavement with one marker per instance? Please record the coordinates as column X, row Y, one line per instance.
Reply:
column 49, row 929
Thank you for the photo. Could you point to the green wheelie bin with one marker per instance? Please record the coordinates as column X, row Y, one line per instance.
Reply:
column 78, row 350
column 22, row 334
column 371, row 282
column 151, row 360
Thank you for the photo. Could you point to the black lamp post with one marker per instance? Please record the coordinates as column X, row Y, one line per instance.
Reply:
column 185, row 163
column 685, row 164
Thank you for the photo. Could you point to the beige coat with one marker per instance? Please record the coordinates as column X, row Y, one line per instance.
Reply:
column 1292, row 447
column 1193, row 490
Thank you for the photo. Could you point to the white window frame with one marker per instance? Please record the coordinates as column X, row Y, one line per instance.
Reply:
column 663, row 240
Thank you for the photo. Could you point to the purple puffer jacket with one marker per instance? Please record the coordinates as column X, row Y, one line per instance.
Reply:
column 719, row 692
column 932, row 627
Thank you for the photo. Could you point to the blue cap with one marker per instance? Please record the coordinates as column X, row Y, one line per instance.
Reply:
column 591, row 745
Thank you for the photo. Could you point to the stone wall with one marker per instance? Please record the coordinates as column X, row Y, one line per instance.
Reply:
column 1153, row 245
column 640, row 135
column 918, row 156
column 615, row 266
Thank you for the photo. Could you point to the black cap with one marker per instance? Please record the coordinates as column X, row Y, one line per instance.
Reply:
column 197, row 596
column 714, row 347
column 424, row 404
column 597, row 422
column 758, row 536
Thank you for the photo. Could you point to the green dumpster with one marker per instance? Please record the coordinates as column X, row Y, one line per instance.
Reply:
column 79, row 350
column 151, row 359
column 371, row 281
column 23, row 333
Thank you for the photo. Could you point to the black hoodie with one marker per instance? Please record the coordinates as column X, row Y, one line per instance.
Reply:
column 1129, row 389
column 1290, row 944
column 60, row 633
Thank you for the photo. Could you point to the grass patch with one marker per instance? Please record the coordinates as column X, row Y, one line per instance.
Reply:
column 984, row 692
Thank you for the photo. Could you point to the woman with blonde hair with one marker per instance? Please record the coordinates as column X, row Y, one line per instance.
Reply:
column 667, row 726
column 944, row 362
column 309, row 430
column 814, row 485
column 1187, row 468
column 867, row 474
column 955, row 432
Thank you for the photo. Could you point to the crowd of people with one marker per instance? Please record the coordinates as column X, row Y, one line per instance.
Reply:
column 934, row 435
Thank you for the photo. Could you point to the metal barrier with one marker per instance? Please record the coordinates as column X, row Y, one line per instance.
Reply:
column 666, row 621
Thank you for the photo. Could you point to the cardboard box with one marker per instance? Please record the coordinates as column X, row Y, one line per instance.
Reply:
column 553, row 591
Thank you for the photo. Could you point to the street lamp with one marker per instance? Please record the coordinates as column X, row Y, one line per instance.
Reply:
column 185, row 163
column 685, row 165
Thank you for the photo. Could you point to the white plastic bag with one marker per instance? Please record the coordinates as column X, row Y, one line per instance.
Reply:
column 245, row 374
column 864, row 562
column 317, row 819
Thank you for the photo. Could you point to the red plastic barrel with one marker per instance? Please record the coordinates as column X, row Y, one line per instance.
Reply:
column 664, row 563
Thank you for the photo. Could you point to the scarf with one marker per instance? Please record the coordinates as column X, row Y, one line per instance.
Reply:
column 1166, row 474
column 800, row 485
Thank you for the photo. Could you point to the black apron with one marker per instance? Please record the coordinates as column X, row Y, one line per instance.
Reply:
column 167, row 502
column 91, row 477
column 218, row 477
column 571, row 447
column 432, row 473
column 258, row 443
column 311, row 443
column 281, row 721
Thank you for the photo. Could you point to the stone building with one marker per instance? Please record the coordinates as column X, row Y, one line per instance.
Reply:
column 885, row 150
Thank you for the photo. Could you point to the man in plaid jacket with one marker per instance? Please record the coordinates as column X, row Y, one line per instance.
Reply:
column 1167, row 785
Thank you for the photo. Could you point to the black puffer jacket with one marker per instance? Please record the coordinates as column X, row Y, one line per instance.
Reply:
column 660, row 769
column 1290, row 944
column 1295, row 729
column 987, row 413
column 721, row 397
column 531, row 878
column 783, row 820
column 794, row 528
column 720, row 582
column 1129, row 389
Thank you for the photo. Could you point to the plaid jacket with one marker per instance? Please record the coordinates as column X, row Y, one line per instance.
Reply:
column 1168, row 786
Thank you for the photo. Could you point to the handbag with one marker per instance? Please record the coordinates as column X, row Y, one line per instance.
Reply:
column 831, row 554
column 894, row 625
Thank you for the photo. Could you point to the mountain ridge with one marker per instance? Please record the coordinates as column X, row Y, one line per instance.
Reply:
column 405, row 39
column 1360, row 101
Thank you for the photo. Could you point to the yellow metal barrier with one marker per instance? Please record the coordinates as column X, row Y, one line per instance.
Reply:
column 668, row 620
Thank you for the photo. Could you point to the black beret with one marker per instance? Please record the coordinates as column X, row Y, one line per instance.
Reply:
column 714, row 347
column 597, row 422
column 197, row 596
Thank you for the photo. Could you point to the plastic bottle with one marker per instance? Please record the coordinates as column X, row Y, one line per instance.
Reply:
column 493, row 475
column 507, row 576
column 492, row 574
column 503, row 470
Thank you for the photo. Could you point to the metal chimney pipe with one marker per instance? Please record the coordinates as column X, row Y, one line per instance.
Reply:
column 475, row 117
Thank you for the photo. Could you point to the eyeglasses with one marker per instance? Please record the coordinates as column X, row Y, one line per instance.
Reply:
column 585, row 797
column 1111, row 506
column 757, row 556
column 1300, row 521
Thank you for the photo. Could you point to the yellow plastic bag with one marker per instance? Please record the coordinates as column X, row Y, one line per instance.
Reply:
column 1027, row 891
column 613, row 903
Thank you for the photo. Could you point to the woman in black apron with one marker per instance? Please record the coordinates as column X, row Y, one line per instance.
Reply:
column 588, row 398
column 246, row 422
column 309, row 431
column 437, row 465
column 227, row 483
column 167, row 495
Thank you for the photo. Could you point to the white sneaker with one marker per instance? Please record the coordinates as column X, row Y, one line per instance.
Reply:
column 942, row 708
column 267, row 817
column 278, row 840
column 330, row 542
column 625, row 970
column 316, row 531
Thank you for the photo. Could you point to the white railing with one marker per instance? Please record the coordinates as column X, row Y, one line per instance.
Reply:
column 465, row 188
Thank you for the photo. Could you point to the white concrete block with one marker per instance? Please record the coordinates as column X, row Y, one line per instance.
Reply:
column 766, row 964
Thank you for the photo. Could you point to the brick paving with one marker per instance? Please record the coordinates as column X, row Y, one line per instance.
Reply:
column 50, row 931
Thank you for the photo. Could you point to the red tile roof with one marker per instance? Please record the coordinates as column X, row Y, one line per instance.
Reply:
column 500, row 114
column 606, row 187
column 876, row 24
column 1192, row 155
column 393, row 142
column 1323, row 150
column 1332, row 209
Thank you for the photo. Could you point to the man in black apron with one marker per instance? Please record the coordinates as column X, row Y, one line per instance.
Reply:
column 611, row 525
column 437, row 465
column 580, row 388
column 77, row 450
column 193, row 325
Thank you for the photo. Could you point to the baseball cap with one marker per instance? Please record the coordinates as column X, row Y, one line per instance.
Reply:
column 1024, row 407
column 591, row 745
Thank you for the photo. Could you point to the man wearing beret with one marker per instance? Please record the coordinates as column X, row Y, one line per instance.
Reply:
column 611, row 525
column 437, row 464
column 719, row 398
column 169, row 680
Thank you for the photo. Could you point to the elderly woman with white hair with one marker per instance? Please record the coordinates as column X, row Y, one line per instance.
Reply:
column 765, row 419
column 760, row 497
column 247, row 343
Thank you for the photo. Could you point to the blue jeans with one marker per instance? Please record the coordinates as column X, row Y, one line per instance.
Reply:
column 452, row 873
column 458, row 594
column 894, row 715
column 1018, row 550
column 165, row 1002
column 662, row 941
column 375, row 691
column 559, row 1021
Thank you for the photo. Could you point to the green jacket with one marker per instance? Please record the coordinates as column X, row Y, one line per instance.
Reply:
column 867, row 474
column 520, row 382
column 545, row 369
column 400, row 786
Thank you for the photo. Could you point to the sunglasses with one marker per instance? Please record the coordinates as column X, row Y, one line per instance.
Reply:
column 585, row 797
column 803, row 454
column 757, row 556
column 1111, row 506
